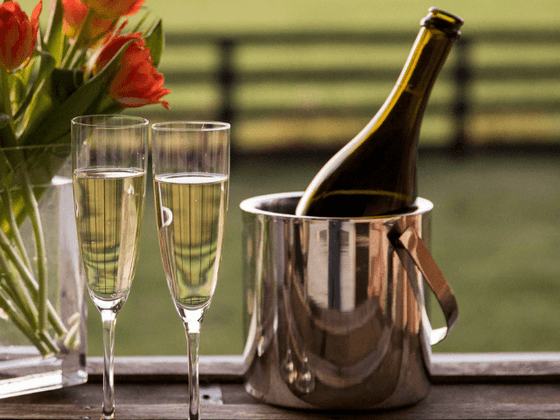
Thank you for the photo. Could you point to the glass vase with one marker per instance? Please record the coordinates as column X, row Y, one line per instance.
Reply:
column 43, row 312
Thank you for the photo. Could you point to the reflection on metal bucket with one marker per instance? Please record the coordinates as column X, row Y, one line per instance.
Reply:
column 335, row 318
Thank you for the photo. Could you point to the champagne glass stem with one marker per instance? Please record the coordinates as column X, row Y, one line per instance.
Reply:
column 192, row 330
column 109, row 318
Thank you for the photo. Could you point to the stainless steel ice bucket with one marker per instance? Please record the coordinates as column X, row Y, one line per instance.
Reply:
column 335, row 314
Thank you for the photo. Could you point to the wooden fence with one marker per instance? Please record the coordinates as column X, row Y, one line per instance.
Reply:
column 499, row 87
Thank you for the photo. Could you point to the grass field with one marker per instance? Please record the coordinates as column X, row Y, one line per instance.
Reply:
column 250, row 15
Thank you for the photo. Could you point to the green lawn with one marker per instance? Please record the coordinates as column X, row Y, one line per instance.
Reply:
column 250, row 15
column 496, row 237
column 227, row 16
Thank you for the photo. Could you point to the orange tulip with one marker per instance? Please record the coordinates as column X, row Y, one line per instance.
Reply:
column 137, row 82
column 114, row 9
column 74, row 15
column 18, row 35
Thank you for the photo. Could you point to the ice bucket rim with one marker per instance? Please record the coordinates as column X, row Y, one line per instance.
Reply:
column 254, row 205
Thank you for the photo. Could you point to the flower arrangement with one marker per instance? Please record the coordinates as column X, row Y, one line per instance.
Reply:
column 87, row 61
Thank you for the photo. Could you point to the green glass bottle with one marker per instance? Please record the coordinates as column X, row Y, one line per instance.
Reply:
column 375, row 173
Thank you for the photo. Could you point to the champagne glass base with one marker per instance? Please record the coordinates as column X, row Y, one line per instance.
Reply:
column 192, row 316
column 113, row 304
column 108, row 416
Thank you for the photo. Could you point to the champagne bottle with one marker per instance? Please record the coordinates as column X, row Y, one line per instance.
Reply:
column 375, row 173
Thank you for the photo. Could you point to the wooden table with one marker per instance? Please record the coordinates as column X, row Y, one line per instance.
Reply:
column 498, row 385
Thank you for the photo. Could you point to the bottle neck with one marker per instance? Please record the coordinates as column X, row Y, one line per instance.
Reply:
column 428, row 54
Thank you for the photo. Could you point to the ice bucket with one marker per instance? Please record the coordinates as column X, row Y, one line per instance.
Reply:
column 335, row 312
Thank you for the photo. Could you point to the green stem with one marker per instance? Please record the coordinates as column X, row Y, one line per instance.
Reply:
column 30, row 283
column 55, row 320
column 18, row 292
column 14, row 228
column 41, row 253
column 79, row 59
column 5, row 91
column 19, row 295
column 72, row 339
column 14, row 287
column 8, row 307
column 45, row 337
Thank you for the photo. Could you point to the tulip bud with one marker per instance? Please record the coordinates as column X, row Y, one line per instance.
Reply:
column 18, row 35
column 137, row 81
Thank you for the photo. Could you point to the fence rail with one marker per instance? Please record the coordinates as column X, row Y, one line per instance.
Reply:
column 467, row 77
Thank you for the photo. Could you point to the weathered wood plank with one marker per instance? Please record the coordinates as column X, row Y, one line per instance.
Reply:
column 484, row 367
column 480, row 386
column 463, row 410
column 445, row 367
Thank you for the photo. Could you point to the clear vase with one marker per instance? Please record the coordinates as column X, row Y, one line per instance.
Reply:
column 43, row 311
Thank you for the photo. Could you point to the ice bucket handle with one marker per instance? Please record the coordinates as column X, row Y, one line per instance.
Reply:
column 418, row 251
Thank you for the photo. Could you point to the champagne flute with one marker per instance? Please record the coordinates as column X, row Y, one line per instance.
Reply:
column 191, row 173
column 109, row 159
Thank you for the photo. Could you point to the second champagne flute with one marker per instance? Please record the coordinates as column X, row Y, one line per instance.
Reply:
column 191, row 175
column 109, row 159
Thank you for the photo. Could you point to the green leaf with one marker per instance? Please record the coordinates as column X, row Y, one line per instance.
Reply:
column 39, row 101
column 55, row 127
column 65, row 82
column 21, row 80
column 7, row 135
column 4, row 120
column 48, row 63
column 5, row 171
column 155, row 41
column 54, row 37
column 107, row 106
column 49, row 51
column 5, row 106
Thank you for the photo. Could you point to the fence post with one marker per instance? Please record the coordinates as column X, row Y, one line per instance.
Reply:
column 226, row 81
column 461, row 76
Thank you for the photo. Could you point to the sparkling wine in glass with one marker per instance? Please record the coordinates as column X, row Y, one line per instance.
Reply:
column 191, row 175
column 109, row 173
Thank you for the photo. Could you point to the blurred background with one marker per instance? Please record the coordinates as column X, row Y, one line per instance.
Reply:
column 299, row 78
